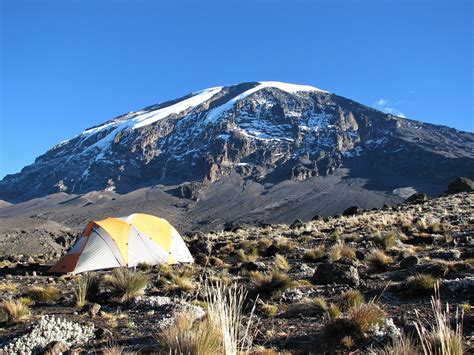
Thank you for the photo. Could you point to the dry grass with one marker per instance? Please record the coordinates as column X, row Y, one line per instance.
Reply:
column 222, row 331
column 226, row 311
column 281, row 263
column 126, row 284
column 181, row 281
column 420, row 285
column 268, row 284
column 377, row 259
column 45, row 294
column 365, row 316
column 403, row 345
column 248, row 257
column 356, row 324
column 339, row 250
column 285, row 245
column 8, row 287
column 308, row 307
column 315, row 254
column 187, row 336
column 86, row 288
column 15, row 310
column 268, row 309
column 440, row 338
column 388, row 239
column 350, row 299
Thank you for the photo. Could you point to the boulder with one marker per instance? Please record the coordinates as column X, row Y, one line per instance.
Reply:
column 352, row 211
column 460, row 184
column 417, row 198
column 328, row 273
column 92, row 309
column 55, row 347
column 296, row 224
column 409, row 262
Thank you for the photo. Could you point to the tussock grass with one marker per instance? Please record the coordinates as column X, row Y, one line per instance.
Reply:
column 387, row 240
column 365, row 316
column 403, row 345
column 285, row 245
column 126, row 284
column 421, row 285
column 248, row 257
column 8, row 287
column 268, row 284
column 440, row 338
column 86, row 289
column 15, row 310
column 350, row 299
column 223, row 331
column 339, row 250
column 309, row 307
column 144, row 266
column 268, row 309
column 377, row 259
column 315, row 254
column 187, row 336
column 281, row 263
column 180, row 281
column 45, row 294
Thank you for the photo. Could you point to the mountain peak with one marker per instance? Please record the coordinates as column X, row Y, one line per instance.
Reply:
column 265, row 131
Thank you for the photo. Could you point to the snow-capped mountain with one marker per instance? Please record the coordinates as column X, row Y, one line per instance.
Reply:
column 266, row 132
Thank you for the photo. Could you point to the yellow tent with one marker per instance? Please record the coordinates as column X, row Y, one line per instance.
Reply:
column 124, row 241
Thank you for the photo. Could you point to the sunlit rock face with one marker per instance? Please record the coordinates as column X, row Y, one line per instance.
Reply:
column 264, row 131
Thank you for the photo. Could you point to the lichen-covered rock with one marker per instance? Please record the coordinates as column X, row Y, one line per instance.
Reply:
column 47, row 330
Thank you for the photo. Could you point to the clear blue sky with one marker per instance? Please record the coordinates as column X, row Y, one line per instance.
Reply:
column 68, row 65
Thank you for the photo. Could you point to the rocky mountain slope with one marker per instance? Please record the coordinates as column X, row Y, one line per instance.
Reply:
column 350, row 284
column 269, row 146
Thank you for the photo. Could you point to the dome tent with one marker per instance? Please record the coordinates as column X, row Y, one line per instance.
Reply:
column 124, row 241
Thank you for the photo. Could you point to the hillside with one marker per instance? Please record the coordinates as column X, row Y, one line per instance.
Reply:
column 315, row 281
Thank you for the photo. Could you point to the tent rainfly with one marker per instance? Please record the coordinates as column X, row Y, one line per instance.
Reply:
column 124, row 241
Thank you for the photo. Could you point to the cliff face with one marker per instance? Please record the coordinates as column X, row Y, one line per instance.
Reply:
column 267, row 132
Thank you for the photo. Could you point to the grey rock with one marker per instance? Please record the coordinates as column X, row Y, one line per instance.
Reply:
column 55, row 348
column 328, row 273
column 460, row 184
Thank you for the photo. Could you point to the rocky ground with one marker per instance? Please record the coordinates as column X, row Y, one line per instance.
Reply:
column 347, row 283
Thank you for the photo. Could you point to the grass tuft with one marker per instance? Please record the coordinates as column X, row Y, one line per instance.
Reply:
column 15, row 310
column 377, row 259
column 421, row 285
column 126, row 284
column 316, row 254
column 441, row 338
column 268, row 284
column 42, row 294
column 281, row 263
column 86, row 289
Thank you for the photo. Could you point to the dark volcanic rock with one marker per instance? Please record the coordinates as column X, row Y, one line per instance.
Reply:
column 461, row 184
column 328, row 273
column 417, row 198
column 409, row 262
column 352, row 211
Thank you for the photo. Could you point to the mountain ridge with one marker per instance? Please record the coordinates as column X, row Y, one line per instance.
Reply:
column 254, row 136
